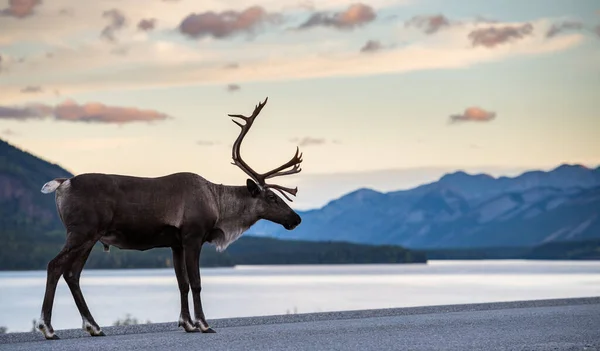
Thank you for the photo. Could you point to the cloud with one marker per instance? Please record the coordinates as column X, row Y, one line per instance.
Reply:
column 159, row 63
column 92, row 112
column 308, row 141
column 206, row 142
column 146, row 24
column 31, row 89
column 66, row 12
column 493, row 36
column 231, row 65
column 355, row 15
column 483, row 19
column 9, row 132
column 233, row 87
column 558, row 28
column 116, row 22
column 20, row 8
column 29, row 111
column 371, row 46
column 224, row 24
column 473, row 114
column 429, row 24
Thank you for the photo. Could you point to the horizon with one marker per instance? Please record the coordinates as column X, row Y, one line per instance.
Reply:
column 386, row 94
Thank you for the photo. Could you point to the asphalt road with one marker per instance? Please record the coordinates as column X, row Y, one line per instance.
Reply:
column 565, row 324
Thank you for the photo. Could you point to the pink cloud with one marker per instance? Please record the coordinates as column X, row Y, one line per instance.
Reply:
column 224, row 24
column 20, row 8
column 93, row 112
column 473, row 114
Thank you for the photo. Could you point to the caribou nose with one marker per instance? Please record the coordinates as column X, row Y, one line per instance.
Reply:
column 296, row 221
column 293, row 223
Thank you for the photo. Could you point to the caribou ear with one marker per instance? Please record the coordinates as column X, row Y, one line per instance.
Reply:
column 252, row 187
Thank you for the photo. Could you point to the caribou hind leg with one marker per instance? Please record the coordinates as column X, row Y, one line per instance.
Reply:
column 192, row 262
column 74, row 247
column 71, row 276
column 185, row 320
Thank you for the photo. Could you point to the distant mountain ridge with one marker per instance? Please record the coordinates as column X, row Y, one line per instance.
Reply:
column 461, row 210
column 22, row 205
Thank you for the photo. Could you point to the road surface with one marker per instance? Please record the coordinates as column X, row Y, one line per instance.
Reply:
column 563, row 324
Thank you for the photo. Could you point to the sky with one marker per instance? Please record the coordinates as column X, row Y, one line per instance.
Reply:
column 383, row 94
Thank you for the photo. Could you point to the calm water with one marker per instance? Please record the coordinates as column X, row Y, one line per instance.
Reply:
column 152, row 294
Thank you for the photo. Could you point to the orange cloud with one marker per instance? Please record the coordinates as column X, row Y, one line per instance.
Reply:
column 473, row 114
column 355, row 15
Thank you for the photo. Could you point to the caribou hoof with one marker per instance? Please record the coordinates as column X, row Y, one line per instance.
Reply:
column 93, row 330
column 188, row 327
column 209, row 330
column 48, row 332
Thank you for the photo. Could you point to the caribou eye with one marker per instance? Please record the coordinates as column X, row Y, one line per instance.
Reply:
column 271, row 197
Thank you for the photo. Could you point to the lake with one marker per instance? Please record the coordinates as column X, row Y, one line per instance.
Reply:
column 152, row 294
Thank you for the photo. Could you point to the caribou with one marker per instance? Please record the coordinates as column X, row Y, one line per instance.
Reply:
column 181, row 211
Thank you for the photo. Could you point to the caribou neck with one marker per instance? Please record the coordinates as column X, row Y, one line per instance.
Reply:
column 236, row 214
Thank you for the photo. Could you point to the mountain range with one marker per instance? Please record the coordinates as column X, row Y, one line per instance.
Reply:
column 462, row 210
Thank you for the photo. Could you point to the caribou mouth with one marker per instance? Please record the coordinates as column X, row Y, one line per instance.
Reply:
column 289, row 226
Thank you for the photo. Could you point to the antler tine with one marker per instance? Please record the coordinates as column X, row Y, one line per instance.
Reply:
column 281, row 190
column 255, row 113
column 294, row 170
column 295, row 161
column 284, row 195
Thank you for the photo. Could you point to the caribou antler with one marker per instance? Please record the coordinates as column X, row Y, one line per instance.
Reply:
column 259, row 178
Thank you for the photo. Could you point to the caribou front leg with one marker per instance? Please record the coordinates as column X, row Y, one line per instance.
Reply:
column 185, row 320
column 192, row 262
column 71, row 276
